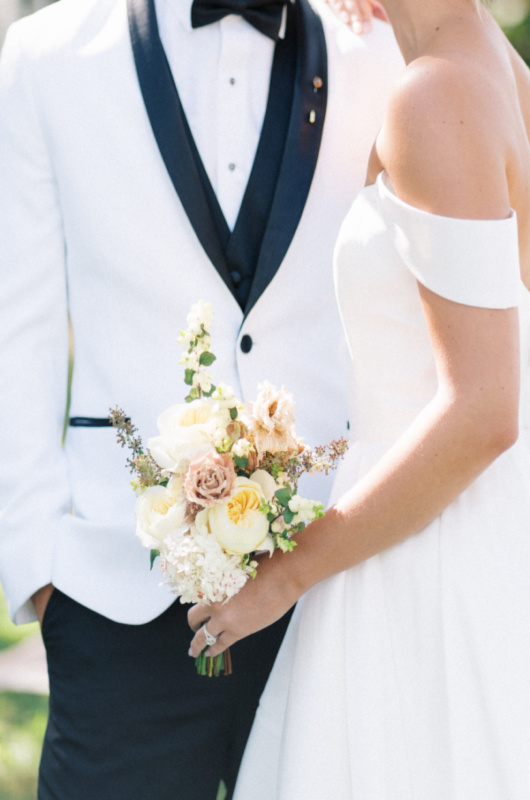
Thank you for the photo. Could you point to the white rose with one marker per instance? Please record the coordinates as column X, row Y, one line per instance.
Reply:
column 237, row 523
column 267, row 483
column 160, row 510
column 185, row 432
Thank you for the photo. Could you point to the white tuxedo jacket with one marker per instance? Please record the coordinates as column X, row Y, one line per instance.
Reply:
column 91, row 226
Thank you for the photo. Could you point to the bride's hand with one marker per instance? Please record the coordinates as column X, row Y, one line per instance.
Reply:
column 261, row 601
column 358, row 14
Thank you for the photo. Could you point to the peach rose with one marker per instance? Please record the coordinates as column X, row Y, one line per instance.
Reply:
column 272, row 420
column 209, row 479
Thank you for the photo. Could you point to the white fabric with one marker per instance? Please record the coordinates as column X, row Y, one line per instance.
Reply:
column 406, row 677
column 429, row 243
column 224, row 95
column 90, row 219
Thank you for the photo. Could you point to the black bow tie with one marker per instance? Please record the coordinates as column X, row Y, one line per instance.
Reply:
column 264, row 15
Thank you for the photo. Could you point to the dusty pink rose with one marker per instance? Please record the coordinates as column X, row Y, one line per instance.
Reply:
column 272, row 420
column 209, row 479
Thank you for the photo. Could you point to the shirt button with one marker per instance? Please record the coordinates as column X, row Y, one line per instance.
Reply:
column 236, row 276
column 246, row 343
column 232, row 81
column 231, row 167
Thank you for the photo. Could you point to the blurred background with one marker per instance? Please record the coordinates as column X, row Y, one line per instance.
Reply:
column 23, row 682
column 513, row 15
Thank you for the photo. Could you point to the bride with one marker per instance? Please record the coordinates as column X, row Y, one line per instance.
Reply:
column 405, row 673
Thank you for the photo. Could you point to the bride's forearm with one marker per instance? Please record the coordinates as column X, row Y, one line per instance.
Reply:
column 446, row 448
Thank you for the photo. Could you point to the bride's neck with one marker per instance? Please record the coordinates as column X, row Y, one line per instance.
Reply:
column 419, row 24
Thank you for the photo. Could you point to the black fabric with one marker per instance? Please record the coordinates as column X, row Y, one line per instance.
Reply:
column 90, row 422
column 264, row 15
column 244, row 244
column 173, row 137
column 300, row 155
column 129, row 717
column 285, row 160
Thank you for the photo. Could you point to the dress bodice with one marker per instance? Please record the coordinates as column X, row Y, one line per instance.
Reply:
column 385, row 246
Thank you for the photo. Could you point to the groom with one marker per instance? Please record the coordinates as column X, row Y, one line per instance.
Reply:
column 152, row 153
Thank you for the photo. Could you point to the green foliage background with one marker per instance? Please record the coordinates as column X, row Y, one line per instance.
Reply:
column 520, row 38
column 23, row 720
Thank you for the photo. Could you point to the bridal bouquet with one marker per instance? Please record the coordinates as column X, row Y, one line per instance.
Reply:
column 218, row 485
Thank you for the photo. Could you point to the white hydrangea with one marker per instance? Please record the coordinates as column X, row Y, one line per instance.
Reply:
column 198, row 569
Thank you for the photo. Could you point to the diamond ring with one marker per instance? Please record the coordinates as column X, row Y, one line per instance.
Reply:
column 210, row 640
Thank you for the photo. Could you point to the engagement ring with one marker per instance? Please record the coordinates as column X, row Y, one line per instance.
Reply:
column 210, row 640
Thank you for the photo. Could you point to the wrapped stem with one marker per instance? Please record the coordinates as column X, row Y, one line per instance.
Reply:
column 212, row 666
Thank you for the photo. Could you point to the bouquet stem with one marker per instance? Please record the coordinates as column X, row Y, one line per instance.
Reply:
column 213, row 666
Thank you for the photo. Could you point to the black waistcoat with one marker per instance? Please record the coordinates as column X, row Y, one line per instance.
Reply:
column 248, row 257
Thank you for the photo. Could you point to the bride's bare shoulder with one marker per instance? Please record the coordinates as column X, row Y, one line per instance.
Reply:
column 439, row 134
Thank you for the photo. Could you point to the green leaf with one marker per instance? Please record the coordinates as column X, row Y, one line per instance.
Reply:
column 194, row 393
column 209, row 394
column 241, row 462
column 283, row 495
column 233, row 413
column 206, row 359
column 154, row 555
column 188, row 377
column 271, row 516
column 288, row 516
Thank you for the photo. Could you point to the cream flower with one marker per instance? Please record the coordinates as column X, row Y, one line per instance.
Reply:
column 159, row 511
column 272, row 420
column 237, row 523
column 200, row 314
column 266, row 481
column 186, row 431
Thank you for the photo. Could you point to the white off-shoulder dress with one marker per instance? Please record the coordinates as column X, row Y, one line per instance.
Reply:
column 408, row 677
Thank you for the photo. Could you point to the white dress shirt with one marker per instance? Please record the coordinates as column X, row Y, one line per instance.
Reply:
column 222, row 72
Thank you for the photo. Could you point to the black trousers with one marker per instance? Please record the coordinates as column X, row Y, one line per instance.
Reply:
column 129, row 717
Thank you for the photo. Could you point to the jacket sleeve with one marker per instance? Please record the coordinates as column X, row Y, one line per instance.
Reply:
column 34, row 491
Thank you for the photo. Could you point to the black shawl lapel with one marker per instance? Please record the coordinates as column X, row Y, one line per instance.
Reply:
column 171, row 132
column 301, row 149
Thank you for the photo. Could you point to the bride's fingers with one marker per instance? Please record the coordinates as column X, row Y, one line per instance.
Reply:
column 379, row 11
column 358, row 14
column 198, row 615
column 198, row 643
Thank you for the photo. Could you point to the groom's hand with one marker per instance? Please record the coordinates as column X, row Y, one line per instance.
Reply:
column 358, row 14
column 40, row 600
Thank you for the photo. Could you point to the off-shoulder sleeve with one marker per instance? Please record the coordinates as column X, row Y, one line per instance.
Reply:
column 474, row 262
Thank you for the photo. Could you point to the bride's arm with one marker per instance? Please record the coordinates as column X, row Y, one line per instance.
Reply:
column 470, row 421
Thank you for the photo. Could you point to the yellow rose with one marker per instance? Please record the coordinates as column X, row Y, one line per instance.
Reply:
column 237, row 523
